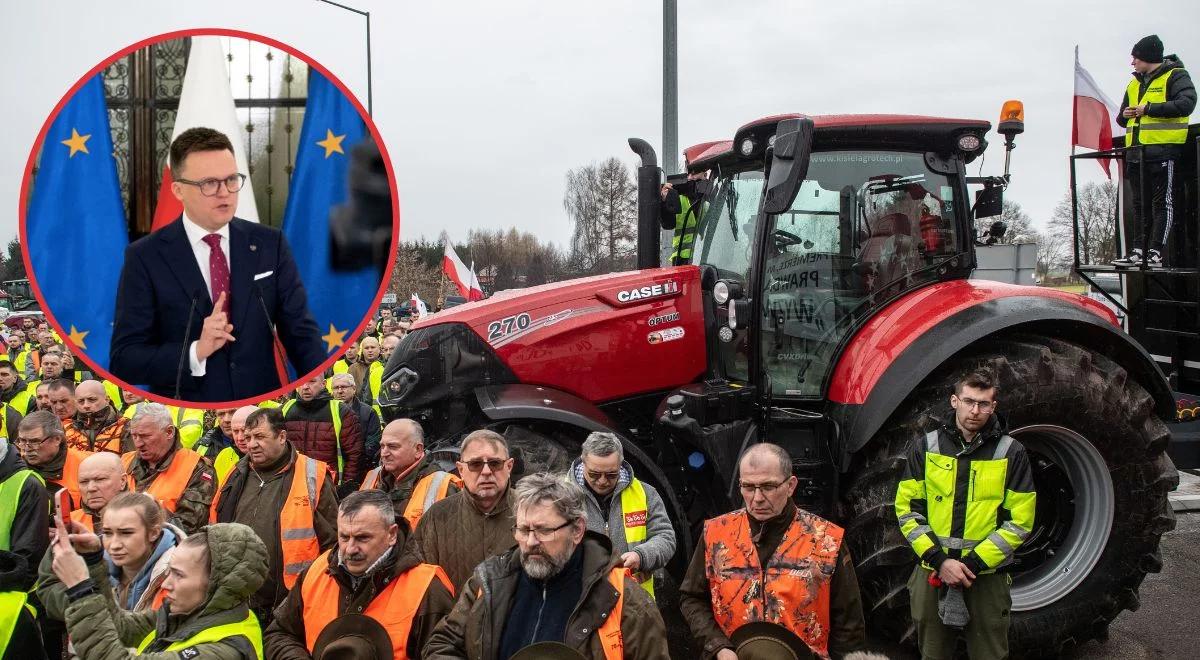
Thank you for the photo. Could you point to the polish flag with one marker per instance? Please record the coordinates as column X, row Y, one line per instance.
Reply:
column 464, row 278
column 418, row 306
column 1093, row 122
column 206, row 100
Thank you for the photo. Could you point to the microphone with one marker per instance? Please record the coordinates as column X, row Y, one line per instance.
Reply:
column 270, row 329
column 187, row 334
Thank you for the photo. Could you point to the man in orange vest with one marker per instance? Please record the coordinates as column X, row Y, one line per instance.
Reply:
column 96, row 425
column 287, row 498
column 101, row 478
column 182, row 481
column 407, row 473
column 562, row 583
column 371, row 573
column 807, row 586
column 44, row 448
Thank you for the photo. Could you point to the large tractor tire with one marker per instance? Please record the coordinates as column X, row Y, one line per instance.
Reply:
column 1097, row 451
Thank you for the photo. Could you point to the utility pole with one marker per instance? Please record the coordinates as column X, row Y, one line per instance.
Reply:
column 670, row 130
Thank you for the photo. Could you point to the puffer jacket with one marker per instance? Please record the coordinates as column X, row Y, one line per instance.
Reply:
column 310, row 428
column 659, row 546
column 457, row 536
column 100, row 631
column 102, row 431
column 141, row 594
column 476, row 625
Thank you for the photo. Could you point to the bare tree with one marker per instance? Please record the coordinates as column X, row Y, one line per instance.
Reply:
column 412, row 274
column 1097, row 222
column 1020, row 224
column 602, row 202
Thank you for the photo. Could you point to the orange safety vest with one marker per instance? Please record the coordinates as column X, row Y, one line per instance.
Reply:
column 70, row 474
column 430, row 489
column 168, row 486
column 297, row 535
column 792, row 590
column 394, row 607
column 610, row 631
column 80, row 516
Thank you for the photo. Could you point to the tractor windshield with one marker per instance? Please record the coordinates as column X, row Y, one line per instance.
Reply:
column 865, row 226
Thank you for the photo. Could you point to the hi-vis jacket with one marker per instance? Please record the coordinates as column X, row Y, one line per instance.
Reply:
column 972, row 502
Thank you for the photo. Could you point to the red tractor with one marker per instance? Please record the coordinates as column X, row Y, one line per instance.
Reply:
column 827, row 307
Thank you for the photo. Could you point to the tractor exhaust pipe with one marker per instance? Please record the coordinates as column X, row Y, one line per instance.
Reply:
column 648, row 204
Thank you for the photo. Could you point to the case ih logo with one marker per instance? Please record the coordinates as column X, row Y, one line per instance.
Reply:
column 635, row 519
column 668, row 288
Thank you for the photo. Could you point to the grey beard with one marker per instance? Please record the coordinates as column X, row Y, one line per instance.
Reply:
column 542, row 567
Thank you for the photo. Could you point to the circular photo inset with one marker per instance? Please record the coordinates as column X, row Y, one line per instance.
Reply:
column 206, row 218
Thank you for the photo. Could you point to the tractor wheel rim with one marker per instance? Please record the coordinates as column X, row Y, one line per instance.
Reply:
column 1091, row 524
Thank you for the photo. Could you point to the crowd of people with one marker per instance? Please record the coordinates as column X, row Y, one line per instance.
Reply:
column 308, row 528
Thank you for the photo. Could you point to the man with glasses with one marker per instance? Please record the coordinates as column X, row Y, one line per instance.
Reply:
column 199, row 299
column 42, row 443
column 793, row 560
column 476, row 523
column 345, row 390
column 965, row 503
column 561, row 584
column 409, row 475
column 630, row 513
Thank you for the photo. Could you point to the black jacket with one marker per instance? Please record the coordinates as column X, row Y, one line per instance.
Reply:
column 30, row 533
column 25, row 642
column 1181, row 101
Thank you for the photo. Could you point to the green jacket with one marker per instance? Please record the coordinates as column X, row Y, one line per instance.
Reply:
column 972, row 502
column 99, row 630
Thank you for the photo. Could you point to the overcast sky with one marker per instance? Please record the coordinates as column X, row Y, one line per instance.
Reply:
column 484, row 106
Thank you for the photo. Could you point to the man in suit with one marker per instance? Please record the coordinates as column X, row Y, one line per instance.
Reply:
column 199, row 298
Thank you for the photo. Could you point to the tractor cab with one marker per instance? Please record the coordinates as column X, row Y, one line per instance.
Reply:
column 866, row 207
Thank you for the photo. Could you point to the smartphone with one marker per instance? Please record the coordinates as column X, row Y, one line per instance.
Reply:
column 62, row 508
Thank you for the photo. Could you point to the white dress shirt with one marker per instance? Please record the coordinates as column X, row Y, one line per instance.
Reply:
column 195, row 234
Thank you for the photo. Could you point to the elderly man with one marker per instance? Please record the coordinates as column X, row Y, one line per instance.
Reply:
column 372, row 573
column 324, row 429
column 561, row 584
column 43, row 446
column 811, row 578
column 371, row 378
column 630, row 513
column 101, row 478
column 408, row 474
column 286, row 497
column 14, row 391
column 61, row 393
column 345, row 390
column 182, row 481
column 476, row 523
column 96, row 425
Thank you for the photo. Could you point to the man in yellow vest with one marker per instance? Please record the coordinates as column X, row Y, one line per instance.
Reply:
column 286, row 497
column 371, row 572
column 409, row 475
column 228, row 458
column 13, row 389
column 811, row 577
column 630, row 513
column 372, row 371
column 19, row 635
column 182, row 482
column 562, row 583
column 1155, row 113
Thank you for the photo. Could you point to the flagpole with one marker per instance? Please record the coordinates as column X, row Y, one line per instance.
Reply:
column 366, row 15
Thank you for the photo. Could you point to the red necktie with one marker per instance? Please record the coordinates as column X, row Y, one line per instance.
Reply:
column 218, row 269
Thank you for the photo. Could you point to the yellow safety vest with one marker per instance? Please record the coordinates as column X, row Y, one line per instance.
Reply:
column 22, row 402
column 190, row 424
column 114, row 395
column 11, row 603
column 10, row 502
column 635, row 513
column 247, row 628
column 336, row 413
column 226, row 460
column 1153, row 130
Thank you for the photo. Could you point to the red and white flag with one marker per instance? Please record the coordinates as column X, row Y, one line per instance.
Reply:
column 464, row 278
column 206, row 100
column 418, row 306
column 1093, row 123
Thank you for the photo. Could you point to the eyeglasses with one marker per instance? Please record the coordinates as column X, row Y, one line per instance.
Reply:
column 766, row 488
column 984, row 406
column 29, row 443
column 476, row 465
column 606, row 476
column 209, row 187
column 540, row 533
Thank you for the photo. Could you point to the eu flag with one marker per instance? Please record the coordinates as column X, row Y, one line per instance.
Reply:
column 76, row 229
column 339, row 300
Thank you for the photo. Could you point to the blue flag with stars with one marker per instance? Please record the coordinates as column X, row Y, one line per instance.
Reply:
column 76, row 229
column 339, row 300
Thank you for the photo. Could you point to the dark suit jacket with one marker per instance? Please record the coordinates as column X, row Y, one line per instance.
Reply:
column 160, row 284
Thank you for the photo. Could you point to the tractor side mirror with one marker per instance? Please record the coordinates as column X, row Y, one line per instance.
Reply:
column 789, row 163
column 989, row 202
